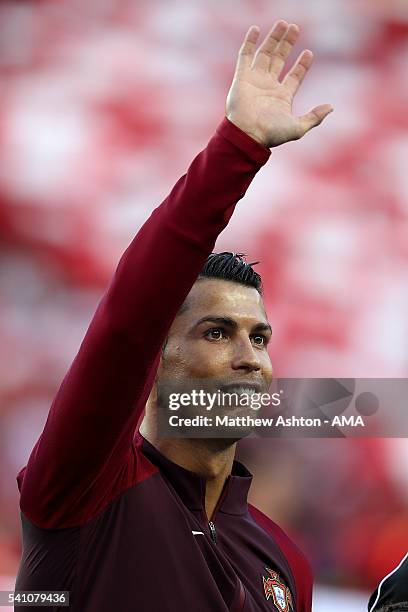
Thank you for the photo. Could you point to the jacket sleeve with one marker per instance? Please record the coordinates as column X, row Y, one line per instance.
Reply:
column 85, row 451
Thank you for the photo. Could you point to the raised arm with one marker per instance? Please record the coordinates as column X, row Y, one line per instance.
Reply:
column 85, row 453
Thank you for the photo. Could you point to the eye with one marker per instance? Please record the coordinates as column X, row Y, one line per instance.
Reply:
column 215, row 333
column 260, row 339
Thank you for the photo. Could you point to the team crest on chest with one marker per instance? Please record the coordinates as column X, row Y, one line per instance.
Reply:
column 276, row 590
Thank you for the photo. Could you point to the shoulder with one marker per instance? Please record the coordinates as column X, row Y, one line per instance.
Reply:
column 393, row 588
column 58, row 506
column 294, row 555
column 299, row 565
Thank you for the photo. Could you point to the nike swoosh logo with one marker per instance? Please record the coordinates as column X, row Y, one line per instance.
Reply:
column 197, row 533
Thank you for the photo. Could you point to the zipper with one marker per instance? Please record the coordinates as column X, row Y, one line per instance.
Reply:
column 239, row 604
column 213, row 531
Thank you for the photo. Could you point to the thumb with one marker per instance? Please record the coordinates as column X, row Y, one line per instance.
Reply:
column 315, row 117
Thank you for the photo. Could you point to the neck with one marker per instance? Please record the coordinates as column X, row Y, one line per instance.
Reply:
column 211, row 459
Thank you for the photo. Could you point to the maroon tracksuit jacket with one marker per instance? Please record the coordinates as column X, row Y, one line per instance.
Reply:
column 104, row 514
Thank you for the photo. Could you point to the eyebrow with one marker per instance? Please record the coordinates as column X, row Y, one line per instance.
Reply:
column 228, row 322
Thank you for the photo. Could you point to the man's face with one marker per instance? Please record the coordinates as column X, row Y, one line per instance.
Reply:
column 221, row 335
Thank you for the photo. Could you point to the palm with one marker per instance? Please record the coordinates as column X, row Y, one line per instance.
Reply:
column 258, row 102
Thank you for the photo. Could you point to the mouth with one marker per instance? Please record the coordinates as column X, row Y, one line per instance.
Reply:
column 242, row 387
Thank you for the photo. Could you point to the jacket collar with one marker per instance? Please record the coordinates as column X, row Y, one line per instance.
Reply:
column 191, row 487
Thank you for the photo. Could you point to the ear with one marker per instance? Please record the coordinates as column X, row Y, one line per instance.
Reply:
column 164, row 347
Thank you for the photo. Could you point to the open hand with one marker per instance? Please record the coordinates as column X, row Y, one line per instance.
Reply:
column 258, row 102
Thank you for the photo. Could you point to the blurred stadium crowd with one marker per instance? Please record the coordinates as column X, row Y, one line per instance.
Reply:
column 103, row 105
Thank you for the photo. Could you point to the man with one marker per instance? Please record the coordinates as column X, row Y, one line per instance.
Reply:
column 392, row 592
column 145, row 523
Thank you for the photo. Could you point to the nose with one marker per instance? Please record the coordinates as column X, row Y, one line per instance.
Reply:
column 246, row 356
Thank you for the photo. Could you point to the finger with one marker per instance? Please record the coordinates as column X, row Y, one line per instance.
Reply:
column 263, row 56
column 280, row 54
column 247, row 50
column 314, row 117
column 297, row 73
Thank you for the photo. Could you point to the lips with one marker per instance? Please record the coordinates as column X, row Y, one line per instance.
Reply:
column 243, row 386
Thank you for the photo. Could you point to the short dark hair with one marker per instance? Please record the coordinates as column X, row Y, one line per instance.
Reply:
column 227, row 266
column 395, row 607
column 232, row 267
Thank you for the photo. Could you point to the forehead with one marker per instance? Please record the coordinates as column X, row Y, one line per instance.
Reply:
column 224, row 298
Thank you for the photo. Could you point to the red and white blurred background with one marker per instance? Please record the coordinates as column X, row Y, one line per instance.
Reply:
column 103, row 105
